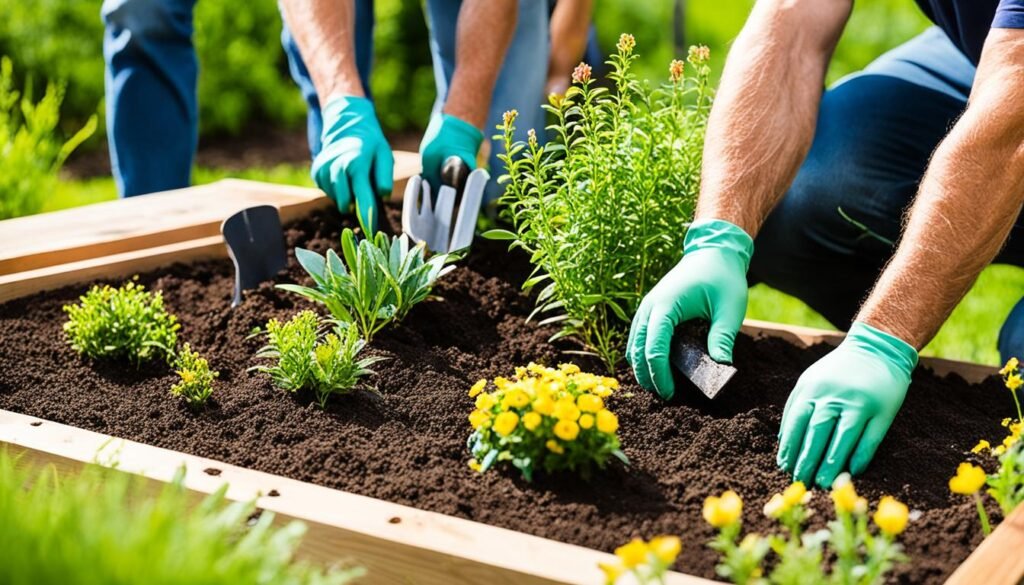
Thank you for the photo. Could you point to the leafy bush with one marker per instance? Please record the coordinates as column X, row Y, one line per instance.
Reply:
column 103, row 526
column 544, row 418
column 602, row 210
column 196, row 383
column 309, row 358
column 127, row 323
column 30, row 152
column 380, row 280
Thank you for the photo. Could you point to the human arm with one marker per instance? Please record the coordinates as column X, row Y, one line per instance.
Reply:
column 967, row 202
column 760, row 129
column 570, row 26
column 483, row 34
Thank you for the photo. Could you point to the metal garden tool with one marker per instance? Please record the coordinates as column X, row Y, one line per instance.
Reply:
column 689, row 356
column 255, row 243
column 446, row 222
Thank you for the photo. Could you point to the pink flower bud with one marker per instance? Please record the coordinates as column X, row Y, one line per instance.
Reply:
column 582, row 73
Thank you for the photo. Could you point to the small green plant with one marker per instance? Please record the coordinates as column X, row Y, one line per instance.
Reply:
column 646, row 562
column 30, row 153
column 309, row 357
column 127, row 323
column 196, row 383
column 104, row 526
column 380, row 280
column 544, row 418
column 602, row 209
column 846, row 552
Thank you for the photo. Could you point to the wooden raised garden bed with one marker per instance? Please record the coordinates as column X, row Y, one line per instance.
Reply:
column 413, row 541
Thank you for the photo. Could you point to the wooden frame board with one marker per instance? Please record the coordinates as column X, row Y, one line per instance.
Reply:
column 397, row 544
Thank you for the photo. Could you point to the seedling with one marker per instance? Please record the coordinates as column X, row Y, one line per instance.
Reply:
column 126, row 323
column 196, row 384
column 602, row 209
column 311, row 356
column 544, row 418
column 380, row 280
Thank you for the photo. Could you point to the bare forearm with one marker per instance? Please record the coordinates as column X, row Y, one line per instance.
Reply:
column 967, row 203
column 484, row 32
column 325, row 32
column 570, row 24
column 763, row 120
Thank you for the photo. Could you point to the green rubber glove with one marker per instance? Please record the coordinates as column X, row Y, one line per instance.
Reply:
column 355, row 161
column 448, row 136
column 710, row 283
column 842, row 406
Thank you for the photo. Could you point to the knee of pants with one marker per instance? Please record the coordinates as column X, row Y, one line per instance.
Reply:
column 155, row 19
column 1011, row 336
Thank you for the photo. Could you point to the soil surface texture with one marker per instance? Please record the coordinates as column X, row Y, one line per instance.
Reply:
column 407, row 444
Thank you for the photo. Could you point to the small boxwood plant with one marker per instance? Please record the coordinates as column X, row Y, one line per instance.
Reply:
column 196, row 378
column 603, row 208
column 126, row 323
column 544, row 418
column 380, row 279
column 312, row 356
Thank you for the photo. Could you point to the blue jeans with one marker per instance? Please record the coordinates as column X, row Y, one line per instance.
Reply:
column 875, row 133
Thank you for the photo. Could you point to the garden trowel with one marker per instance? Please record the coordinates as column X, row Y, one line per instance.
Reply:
column 255, row 243
column 445, row 223
column 690, row 357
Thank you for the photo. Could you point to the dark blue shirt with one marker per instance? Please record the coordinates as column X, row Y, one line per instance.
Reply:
column 967, row 22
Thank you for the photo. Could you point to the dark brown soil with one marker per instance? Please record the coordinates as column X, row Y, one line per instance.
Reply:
column 408, row 444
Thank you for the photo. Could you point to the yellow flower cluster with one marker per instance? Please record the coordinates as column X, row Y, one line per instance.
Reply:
column 544, row 408
column 968, row 479
column 724, row 510
column 654, row 557
column 891, row 516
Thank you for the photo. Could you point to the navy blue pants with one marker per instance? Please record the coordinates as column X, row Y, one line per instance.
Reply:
column 876, row 131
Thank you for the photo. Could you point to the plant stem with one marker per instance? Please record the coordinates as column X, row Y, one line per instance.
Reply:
column 986, row 527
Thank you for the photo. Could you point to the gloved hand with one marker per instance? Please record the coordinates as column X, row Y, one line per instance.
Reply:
column 447, row 135
column 710, row 282
column 842, row 406
column 355, row 161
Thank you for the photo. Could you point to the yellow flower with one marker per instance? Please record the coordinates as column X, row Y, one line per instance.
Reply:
column 554, row 447
column 586, row 421
column 486, row 401
column 477, row 388
column 1011, row 365
column 516, row 399
column 724, row 510
column 633, row 553
column 478, row 418
column 1006, row 422
column 795, row 494
column 844, row 495
column 611, row 383
column 607, row 422
column 475, row 465
column 611, row 572
column 505, row 423
column 891, row 515
column 589, row 403
column 1015, row 381
column 998, row 450
column 968, row 479
column 501, row 383
column 531, row 420
column 544, row 405
column 602, row 391
column 775, row 506
column 981, row 446
column 569, row 369
column 666, row 548
column 566, row 430
column 565, row 410
column 187, row 376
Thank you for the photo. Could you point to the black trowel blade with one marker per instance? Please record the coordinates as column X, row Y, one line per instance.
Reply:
column 255, row 243
column 690, row 358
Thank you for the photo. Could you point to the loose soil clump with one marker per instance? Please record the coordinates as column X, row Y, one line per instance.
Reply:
column 407, row 444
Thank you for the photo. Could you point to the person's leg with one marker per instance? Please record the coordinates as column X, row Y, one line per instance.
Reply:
column 520, row 84
column 875, row 133
column 151, row 73
column 364, row 62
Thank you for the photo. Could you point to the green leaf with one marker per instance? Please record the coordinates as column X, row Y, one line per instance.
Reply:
column 499, row 234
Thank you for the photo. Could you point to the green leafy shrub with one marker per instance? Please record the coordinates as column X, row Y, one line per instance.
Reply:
column 127, row 323
column 31, row 154
column 196, row 383
column 380, row 280
column 308, row 357
column 103, row 526
column 603, row 208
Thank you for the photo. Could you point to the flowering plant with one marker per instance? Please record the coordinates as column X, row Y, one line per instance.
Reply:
column 861, row 557
column 546, row 418
column 603, row 208
column 646, row 561
column 196, row 378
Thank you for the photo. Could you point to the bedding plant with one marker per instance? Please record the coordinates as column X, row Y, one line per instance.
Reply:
column 603, row 207
column 196, row 379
